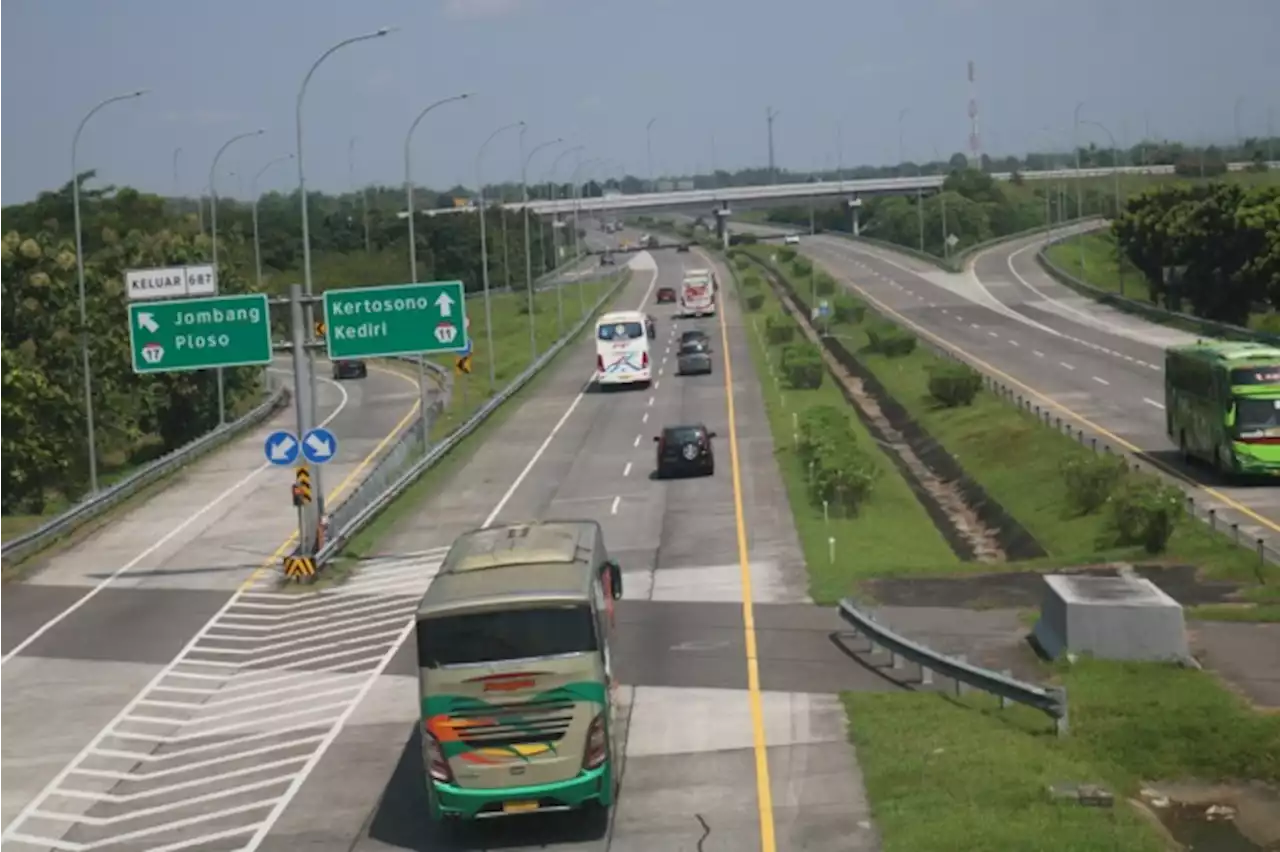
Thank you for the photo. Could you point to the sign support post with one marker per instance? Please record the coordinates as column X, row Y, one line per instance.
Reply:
column 308, row 517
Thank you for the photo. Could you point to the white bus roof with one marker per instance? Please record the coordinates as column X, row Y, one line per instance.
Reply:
column 621, row 316
column 697, row 273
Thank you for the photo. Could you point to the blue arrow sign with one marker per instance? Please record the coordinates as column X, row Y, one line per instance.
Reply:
column 319, row 445
column 281, row 448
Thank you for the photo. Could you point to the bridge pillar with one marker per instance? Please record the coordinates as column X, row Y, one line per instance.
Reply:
column 722, row 225
column 855, row 204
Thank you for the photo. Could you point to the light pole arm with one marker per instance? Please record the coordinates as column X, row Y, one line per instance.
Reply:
column 213, row 187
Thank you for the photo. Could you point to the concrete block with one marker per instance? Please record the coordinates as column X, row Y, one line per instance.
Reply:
column 1111, row 618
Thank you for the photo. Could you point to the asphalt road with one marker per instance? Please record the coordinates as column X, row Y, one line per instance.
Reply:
column 291, row 721
column 98, row 621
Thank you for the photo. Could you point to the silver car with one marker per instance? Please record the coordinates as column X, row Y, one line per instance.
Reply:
column 694, row 357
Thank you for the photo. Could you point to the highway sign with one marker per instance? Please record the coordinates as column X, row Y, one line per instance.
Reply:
column 952, row 239
column 402, row 319
column 171, row 281
column 319, row 445
column 462, row 364
column 198, row 334
column 281, row 448
column 824, row 308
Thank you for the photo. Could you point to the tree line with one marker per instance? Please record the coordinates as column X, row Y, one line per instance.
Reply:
column 1214, row 248
column 43, row 441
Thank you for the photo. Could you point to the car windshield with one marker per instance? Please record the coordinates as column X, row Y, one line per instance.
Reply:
column 691, row 336
column 1258, row 418
column 693, row 347
column 621, row 331
column 683, row 434
column 510, row 634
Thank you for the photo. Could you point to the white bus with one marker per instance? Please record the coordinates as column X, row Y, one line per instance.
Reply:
column 622, row 349
column 698, row 293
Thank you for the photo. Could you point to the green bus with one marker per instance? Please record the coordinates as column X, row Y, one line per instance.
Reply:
column 515, row 673
column 1222, row 405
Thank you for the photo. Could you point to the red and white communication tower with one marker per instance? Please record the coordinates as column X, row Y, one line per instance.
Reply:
column 975, row 148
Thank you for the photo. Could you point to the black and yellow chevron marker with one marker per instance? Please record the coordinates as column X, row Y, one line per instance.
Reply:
column 463, row 364
column 299, row 566
column 302, row 487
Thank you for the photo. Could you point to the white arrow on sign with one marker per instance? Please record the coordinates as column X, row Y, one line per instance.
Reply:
column 445, row 304
column 319, row 446
column 147, row 321
column 281, row 450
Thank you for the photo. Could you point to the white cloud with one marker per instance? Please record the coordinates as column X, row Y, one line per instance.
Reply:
column 476, row 9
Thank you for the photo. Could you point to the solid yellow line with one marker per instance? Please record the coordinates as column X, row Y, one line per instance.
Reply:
column 1053, row 403
column 288, row 544
column 764, row 793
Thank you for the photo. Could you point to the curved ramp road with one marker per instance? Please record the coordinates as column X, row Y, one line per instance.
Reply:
column 83, row 635
column 290, row 721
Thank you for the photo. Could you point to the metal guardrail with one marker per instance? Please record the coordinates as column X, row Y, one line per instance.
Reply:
column 20, row 547
column 1189, row 322
column 366, row 510
column 1050, row 700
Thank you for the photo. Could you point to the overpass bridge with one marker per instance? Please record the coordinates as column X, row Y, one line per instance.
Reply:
column 723, row 198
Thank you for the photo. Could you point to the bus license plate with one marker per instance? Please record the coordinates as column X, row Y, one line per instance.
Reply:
column 519, row 807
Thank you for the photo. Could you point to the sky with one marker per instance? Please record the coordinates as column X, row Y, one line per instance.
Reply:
column 595, row 72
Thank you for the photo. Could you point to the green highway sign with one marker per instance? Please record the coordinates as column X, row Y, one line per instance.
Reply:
column 199, row 334
column 401, row 319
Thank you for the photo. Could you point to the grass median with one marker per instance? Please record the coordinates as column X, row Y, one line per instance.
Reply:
column 980, row 772
column 512, row 356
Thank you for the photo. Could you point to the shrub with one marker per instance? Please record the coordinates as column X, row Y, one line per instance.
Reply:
column 1091, row 480
column 823, row 284
column 751, row 281
column 1146, row 511
column 890, row 341
column 802, row 365
column 801, row 267
column 954, row 385
column 741, row 262
column 754, row 301
column 786, row 254
column 841, row 473
column 779, row 330
column 847, row 309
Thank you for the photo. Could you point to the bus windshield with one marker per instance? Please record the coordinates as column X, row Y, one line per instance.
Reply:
column 1257, row 418
column 509, row 634
column 621, row 331
column 1268, row 375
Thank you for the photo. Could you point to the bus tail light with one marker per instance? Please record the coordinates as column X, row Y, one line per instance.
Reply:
column 437, row 763
column 597, row 750
column 599, row 363
column 644, row 360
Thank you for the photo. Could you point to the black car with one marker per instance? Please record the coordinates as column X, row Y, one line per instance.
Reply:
column 685, row 449
column 693, row 357
column 350, row 368
column 695, row 336
column 683, row 247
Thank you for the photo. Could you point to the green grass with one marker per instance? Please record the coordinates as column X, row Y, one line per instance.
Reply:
column 891, row 533
column 980, row 773
column 511, row 345
column 1017, row 460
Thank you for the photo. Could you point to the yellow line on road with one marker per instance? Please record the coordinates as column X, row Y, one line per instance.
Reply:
column 764, row 792
column 288, row 544
column 1053, row 403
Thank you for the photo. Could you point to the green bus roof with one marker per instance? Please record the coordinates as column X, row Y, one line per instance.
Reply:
column 1227, row 351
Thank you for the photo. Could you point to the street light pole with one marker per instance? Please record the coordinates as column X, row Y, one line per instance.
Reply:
column 306, row 239
column 528, row 258
column 1075, row 143
column 551, row 194
column 484, row 249
column 364, row 192
column 213, row 225
column 648, row 147
column 257, row 242
column 84, row 310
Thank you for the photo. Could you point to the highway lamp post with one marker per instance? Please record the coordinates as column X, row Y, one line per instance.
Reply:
column 213, row 226
column 253, row 209
column 551, row 195
column 1075, row 143
column 308, row 313
column 528, row 258
column 84, row 309
column 1115, row 173
column 648, row 148
column 364, row 192
column 902, row 158
column 484, row 251
column 577, row 204
column 413, row 241
column 200, row 207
